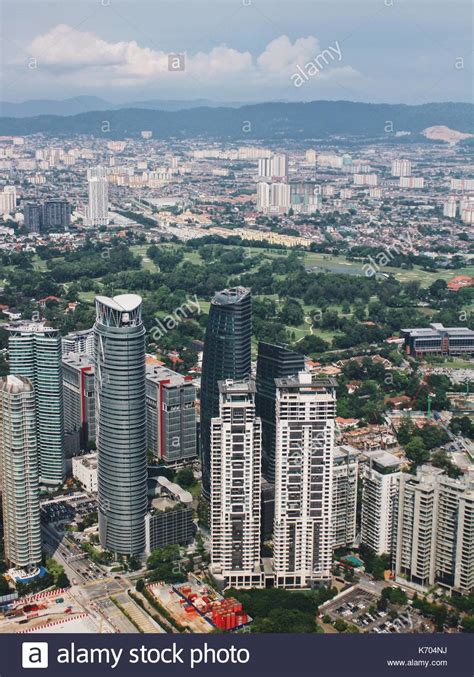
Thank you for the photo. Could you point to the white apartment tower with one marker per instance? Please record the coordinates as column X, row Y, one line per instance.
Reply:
column 401, row 168
column 305, row 419
column 98, row 208
column 380, row 478
column 19, row 472
column 236, row 460
column 450, row 207
column 344, row 495
column 435, row 539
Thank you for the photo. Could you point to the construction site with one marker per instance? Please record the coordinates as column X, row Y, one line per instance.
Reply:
column 200, row 608
column 51, row 611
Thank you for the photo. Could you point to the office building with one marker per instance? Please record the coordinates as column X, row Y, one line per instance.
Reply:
column 98, row 190
column 272, row 362
column 236, row 458
column 226, row 356
column 19, row 471
column 170, row 416
column 439, row 340
column 401, row 168
column 302, row 535
column 35, row 353
column 121, row 423
column 380, row 477
column 80, row 342
column 344, row 495
column 84, row 470
column 169, row 523
column 170, row 518
column 79, row 402
column 435, row 539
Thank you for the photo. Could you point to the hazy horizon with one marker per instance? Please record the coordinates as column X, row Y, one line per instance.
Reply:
column 249, row 51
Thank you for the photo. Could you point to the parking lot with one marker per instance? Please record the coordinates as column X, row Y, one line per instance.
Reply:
column 358, row 607
column 59, row 512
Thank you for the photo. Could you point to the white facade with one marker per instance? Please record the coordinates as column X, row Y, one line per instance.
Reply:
column 236, row 460
column 380, row 478
column 435, row 539
column 401, row 168
column 450, row 207
column 462, row 184
column 365, row 179
column 412, row 182
column 8, row 200
column 19, row 472
column 98, row 208
column 84, row 469
column 80, row 342
column 273, row 198
column 305, row 418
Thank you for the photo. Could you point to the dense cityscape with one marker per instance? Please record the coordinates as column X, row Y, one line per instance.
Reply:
column 229, row 373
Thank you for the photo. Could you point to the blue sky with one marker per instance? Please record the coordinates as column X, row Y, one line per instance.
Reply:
column 409, row 51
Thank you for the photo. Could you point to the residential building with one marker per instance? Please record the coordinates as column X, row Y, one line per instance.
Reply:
column 401, row 168
column 32, row 217
column 435, row 540
column 8, row 200
column 226, row 356
column 450, row 207
column 19, row 473
column 56, row 213
column 344, row 495
column 303, row 530
column 412, row 182
column 35, row 353
column 121, row 423
column 272, row 362
column 171, row 415
column 236, row 459
column 98, row 207
column 80, row 342
column 380, row 478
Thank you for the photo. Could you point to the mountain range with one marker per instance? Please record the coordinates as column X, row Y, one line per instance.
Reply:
column 276, row 120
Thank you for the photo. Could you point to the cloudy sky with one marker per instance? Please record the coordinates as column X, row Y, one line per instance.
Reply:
column 409, row 51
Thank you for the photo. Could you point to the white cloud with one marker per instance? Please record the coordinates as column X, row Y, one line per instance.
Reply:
column 87, row 60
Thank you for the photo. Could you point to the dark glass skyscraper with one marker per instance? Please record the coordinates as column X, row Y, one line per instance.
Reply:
column 226, row 356
column 272, row 362
column 121, row 424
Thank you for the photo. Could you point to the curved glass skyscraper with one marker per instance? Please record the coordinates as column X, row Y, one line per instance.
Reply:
column 35, row 353
column 226, row 356
column 121, row 426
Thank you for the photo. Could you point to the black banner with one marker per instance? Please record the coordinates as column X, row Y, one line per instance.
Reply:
column 443, row 655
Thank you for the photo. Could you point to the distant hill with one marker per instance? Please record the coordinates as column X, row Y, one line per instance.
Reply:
column 84, row 104
column 316, row 119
